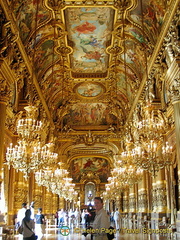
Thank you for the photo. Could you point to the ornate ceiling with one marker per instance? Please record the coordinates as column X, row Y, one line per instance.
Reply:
column 90, row 60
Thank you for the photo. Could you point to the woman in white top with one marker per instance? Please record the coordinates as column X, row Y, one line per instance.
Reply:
column 28, row 226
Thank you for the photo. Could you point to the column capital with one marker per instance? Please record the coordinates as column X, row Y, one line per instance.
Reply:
column 174, row 91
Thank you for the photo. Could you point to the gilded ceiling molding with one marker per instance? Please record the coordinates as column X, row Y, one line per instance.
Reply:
column 174, row 91
column 90, row 177
column 17, row 58
column 170, row 17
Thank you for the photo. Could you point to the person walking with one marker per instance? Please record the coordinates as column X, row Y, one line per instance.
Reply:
column 20, row 216
column 21, row 213
column 28, row 227
column 117, row 218
column 101, row 220
column 39, row 224
column 83, row 217
column 77, row 217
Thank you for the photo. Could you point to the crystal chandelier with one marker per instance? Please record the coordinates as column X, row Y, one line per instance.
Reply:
column 29, row 128
column 152, row 158
column 114, row 188
column 151, row 151
column 56, row 181
column 127, row 173
column 30, row 154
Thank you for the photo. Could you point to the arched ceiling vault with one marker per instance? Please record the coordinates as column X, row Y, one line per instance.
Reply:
column 89, row 61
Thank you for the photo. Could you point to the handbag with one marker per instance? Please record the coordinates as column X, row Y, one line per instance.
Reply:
column 20, row 229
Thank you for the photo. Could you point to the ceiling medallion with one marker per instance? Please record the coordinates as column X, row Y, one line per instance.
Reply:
column 89, row 89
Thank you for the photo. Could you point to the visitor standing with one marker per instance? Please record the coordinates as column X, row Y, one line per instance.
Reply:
column 101, row 220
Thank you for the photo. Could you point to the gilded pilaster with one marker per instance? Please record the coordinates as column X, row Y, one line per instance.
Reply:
column 47, row 201
column 126, row 201
column 142, row 195
column 111, row 205
column 62, row 203
column 38, row 196
column 132, row 199
column 159, row 198
column 119, row 203
column 4, row 96
column 82, row 194
column 54, row 203
column 175, row 98
column 20, row 191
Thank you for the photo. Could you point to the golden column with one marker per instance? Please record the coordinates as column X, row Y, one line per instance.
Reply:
column 47, row 201
column 62, row 203
column 37, row 196
column 20, row 191
column 126, row 201
column 132, row 199
column 142, row 195
column 55, row 203
column 4, row 96
column 159, row 192
column 175, row 98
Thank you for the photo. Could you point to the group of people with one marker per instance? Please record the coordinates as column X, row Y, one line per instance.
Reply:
column 32, row 224
column 115, row 217
column 73, row 218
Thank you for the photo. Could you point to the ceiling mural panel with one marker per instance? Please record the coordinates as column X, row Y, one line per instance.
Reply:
column 134, row 57
column 139, row 38
column 88, row 34
column 84, row 165
column 90, row 114
column 25, row 12
column 89, row 89
column 151, row 14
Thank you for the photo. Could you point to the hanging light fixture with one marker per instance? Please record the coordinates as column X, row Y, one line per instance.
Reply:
column 30, row 154
column 26, row 156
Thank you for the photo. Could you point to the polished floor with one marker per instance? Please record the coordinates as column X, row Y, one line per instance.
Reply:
column 76, row 234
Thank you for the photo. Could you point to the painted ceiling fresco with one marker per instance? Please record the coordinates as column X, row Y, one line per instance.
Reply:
column 83, row 165
column 78, row 40
column 90, row 114
column 89, row 89
column 89, row 31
